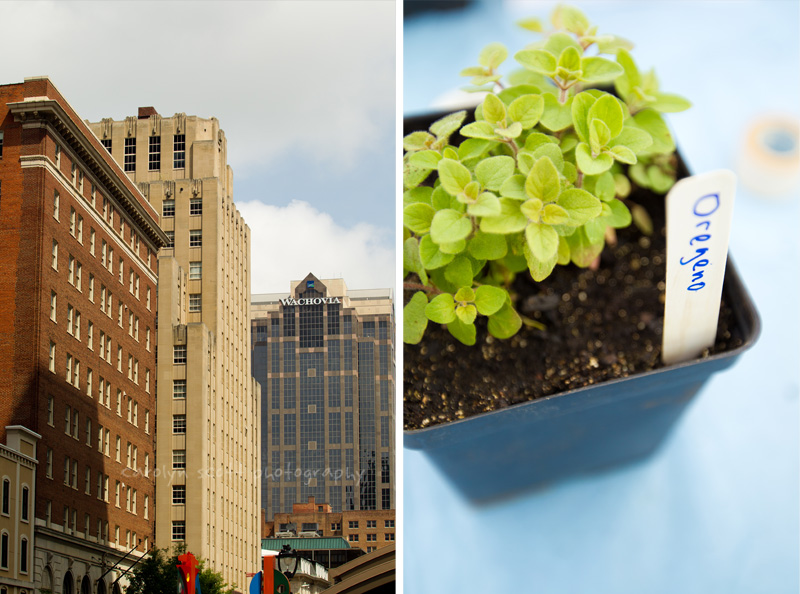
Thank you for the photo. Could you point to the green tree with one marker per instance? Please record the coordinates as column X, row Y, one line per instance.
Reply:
column 158, row 574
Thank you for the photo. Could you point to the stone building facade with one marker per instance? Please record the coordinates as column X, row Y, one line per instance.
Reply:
column 17, row 497
column 209, row 428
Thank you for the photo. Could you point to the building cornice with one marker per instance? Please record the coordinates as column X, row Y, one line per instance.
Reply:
column 50, row 111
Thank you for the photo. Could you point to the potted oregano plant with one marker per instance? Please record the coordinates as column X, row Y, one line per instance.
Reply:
column 519, row 243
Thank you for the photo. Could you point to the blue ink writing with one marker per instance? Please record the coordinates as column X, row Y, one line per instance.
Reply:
column 703, row 208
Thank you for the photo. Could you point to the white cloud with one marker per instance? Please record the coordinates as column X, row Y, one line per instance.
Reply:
column 280, row 76
column 288, row 242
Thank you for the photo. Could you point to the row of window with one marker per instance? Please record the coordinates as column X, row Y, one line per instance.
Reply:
column 353, row 524
column 5, row 506
column 195, row 238
column 72, row 428
column 75, row 278
column 73, row 371
column 371, row 537
column 108, row 210
column 74, row 318
column 24, row 552
column 195, row 207
column 71, row 481
column 153, row 152
column 71, row 526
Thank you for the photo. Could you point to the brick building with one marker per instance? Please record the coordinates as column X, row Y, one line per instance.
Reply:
column 78, row 277
column 364, row 529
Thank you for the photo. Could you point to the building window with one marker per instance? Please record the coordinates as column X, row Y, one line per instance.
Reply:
column 195, row 206
column 388, row 523
column 168, row 208
column 179, row 151
column 353, row 524
column 52, row 363
column 386, row 499
column 195, row 238
column 179, row 530
column 179, row 354
column 4, row 550
column 50, row 411
column 170, row 238
column 53, row 301
column 352, row 537
column 179, row 424
column 372, row 524
column 178, row 459
column 372, row 537
column 195, row 302
column 1, row 143
column 154, row 154
column 56, row 204
column 107, row 144
column 195, row 270
column 25, row 504
column 23, row 555
column 179, row 388
column 178, row 494
column 6, row 496
column 130, row 154
column 55, row 255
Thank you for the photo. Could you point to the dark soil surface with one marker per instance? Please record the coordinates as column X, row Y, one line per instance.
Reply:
column 600, row 324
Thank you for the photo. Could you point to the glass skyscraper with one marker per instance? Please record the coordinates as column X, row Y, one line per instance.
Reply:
column 324, row 357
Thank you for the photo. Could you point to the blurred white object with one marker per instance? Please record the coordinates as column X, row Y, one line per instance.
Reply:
column 769, row 160
column 458, row 99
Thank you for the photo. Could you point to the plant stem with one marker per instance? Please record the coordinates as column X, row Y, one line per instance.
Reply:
column 421, row 287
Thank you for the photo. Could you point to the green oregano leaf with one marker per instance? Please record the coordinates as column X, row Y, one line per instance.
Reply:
column 441, row 309
column 465, row 333
column 505, row 323
column 537, row 60
column 454, row 176
column 414, row 319
column 418, row 216
column 487, row 246
column 494, row 171
column 489, row 299
column 430, row 254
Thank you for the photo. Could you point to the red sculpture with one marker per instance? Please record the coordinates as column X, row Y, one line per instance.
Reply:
column 188, row 571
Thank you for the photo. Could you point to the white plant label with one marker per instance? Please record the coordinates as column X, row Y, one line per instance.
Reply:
column 699, row 213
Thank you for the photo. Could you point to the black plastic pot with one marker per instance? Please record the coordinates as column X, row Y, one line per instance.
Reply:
column 583, row 430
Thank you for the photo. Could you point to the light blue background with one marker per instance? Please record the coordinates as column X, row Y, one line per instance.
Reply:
column 716, row 510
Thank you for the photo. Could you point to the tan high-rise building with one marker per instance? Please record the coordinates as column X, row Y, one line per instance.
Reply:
column 208, row 405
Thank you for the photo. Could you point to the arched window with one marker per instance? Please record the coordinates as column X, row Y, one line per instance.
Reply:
column 23, row 555
column 69, row 584
column 86, row 586
column 25, row 499
column 47, row 579
column 6, row 496
column 116, row 589
column 4, row 550
column 101, row 587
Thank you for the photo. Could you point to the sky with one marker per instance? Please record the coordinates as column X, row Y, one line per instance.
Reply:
column 304, row 90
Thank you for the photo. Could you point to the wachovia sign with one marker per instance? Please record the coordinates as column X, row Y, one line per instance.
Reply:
column 310, row 301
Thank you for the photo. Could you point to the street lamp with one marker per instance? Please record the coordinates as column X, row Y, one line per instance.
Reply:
column 288, row 561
